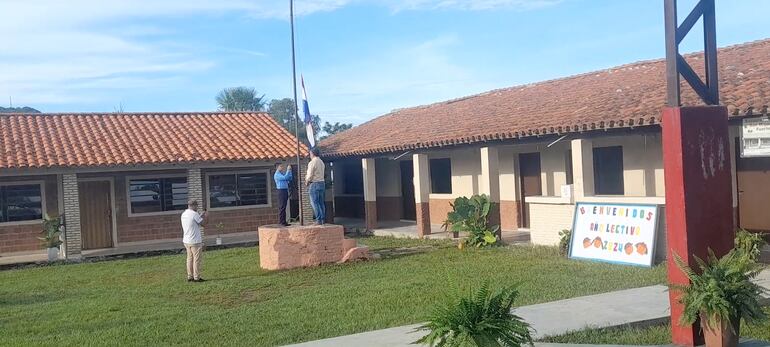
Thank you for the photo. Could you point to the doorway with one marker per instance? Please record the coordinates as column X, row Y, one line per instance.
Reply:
column 95, row 214
column 753, row 176
column 531, row 184
column 408, row 210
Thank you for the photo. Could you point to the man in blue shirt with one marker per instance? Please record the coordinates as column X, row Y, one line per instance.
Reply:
column 282, row 179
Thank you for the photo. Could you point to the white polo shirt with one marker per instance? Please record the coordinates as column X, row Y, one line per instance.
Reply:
column 191, row 226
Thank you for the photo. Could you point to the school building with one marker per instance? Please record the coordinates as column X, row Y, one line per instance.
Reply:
column 537, row 149
column 124, row 179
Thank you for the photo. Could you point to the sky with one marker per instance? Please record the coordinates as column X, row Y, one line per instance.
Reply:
column 360, row 58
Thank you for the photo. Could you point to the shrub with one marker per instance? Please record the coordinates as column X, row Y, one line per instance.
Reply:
column 51, row 232
column 565, row 237
column 722, row 292
column 471, row 215
column 483, row 319
column 750, row 244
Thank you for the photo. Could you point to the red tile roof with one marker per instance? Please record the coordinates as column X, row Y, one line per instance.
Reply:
column 99, row 140
column 620, row 97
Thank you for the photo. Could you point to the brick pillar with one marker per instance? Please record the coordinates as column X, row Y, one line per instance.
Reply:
column 698, row 196
column 422, row 193
column 195, row 190
column 307, row 216
column 489, row 183
column 72, row 241
column 582, row 168
column 509, row 188
column 370, row 193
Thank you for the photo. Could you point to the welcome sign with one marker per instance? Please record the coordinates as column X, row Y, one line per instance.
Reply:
column 615, row 233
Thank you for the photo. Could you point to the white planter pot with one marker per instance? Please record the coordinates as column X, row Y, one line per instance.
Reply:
column 219, row 241
column 53, row 254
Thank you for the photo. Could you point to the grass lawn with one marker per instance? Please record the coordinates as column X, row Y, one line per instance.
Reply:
column 147, row 301
column 655, row 335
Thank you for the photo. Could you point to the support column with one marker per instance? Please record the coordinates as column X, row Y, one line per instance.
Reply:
column 370, row 193
column 329, row 197
column 582, row 168
column 697, row 169
column 422, row 193
column 509, row 187
column 489, row 184
column 72, row 240
column 195, row 191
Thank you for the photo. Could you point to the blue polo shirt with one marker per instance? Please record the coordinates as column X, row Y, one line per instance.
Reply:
column 282, row 179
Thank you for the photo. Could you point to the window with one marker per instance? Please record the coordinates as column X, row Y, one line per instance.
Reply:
column 21, row 203
column 441, row 176
column 608, row 170
column 148, row 195
column 353, row 177
column 238, row 189
column 568, row 166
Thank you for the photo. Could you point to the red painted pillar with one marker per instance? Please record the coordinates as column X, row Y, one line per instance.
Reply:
column 699, row 215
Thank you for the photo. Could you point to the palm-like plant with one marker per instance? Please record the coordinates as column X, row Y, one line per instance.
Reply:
column 749, row 243
column 240, row 99
column 51, row 232
column 483, row 319
column 722, row 291
column 471, row 215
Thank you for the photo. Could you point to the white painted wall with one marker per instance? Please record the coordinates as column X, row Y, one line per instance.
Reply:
column 389, row 177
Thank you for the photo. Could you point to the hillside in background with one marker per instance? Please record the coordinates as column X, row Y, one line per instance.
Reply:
column 25, row 109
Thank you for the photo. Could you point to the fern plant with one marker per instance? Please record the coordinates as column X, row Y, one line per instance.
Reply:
column 483, row 319
column 471, row 215
column 722, row 291
column 750, row 244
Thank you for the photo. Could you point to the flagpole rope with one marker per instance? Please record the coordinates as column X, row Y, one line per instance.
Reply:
column 296, row 115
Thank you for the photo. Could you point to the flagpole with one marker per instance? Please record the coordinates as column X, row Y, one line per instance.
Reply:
column 296, row 115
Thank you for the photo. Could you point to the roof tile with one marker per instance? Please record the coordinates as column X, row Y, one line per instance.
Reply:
column 97, row 140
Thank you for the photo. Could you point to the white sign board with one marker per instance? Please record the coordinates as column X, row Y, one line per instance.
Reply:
column 614, row 233
column 755, row 137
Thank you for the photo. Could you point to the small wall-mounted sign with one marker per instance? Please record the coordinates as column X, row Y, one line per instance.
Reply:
column 755, row 137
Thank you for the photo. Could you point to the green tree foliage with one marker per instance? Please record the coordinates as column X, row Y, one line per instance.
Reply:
column 483, row 319
column 25, row 109
column 240, row 99
column 282, row 110
column 331, row 129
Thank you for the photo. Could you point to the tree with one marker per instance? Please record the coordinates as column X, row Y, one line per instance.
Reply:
column 282, row 110
column 240, row 99
column 337, row 127
column 25, row 109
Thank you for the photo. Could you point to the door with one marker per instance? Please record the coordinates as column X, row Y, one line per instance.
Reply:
column 753, row 175
column 95, row 214
column 529, row 172
column 409, row 210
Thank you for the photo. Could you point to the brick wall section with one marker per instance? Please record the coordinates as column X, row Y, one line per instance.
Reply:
column 71, row 216
column 547, row 220
column 509, row 215
column 142, row 227
column 439, row 208
column 23, row 237
column 389, row 207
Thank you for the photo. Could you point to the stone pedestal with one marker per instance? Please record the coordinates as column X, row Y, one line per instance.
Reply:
column 290, row 247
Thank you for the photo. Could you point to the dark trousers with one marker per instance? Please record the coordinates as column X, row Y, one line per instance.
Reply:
column 283, row 199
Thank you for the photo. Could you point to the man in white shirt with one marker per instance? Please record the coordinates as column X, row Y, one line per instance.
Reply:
column 192, row 239
column 317, row 189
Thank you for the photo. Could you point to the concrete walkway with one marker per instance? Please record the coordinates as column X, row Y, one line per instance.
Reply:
column 638, row 306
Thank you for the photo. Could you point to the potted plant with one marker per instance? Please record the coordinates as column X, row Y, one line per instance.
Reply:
column 721, row 295
column 51, row 239
column 470, row 215
column 220, row 226
column 482, row 319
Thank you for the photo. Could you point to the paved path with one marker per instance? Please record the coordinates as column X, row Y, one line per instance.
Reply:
column 646, row 305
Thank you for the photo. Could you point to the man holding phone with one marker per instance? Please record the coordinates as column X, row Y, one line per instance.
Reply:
column 193, row 240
